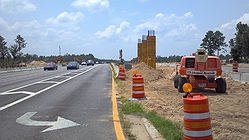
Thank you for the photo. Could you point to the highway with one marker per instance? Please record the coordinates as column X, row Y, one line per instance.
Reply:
column 57, row 105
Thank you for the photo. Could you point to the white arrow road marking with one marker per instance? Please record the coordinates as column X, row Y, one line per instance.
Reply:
column 59, row 124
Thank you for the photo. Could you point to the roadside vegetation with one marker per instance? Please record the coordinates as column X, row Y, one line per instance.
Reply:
column 166, row 128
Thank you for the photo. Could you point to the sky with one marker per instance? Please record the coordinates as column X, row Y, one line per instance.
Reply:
column 103, row 27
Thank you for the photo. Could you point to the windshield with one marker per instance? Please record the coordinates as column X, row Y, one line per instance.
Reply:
column 49, row 64
column 72, row 63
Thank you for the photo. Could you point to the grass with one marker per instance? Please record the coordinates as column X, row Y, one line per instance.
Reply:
column 166, row 128
column 130, row 107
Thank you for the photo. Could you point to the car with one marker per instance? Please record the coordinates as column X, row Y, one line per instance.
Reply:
column 50, row 66
column 90, row 62
column 83, row 63
column 73, row 65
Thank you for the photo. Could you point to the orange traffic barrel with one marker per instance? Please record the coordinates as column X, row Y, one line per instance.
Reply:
column 235, row 67
column 197, row 122
column 121, row 73
column 138, row 87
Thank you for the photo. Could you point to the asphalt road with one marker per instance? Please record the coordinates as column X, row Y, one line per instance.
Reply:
column 57, row 105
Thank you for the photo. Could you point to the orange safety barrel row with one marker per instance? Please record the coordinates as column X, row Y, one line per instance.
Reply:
column 197, row 122
column 138, row 87
column 121, row 74
column 235, row 67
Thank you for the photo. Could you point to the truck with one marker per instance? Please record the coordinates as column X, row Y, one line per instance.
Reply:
column 201, row 71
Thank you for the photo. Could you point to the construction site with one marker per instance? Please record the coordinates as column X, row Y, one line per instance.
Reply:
column 228, row 106
column 229, row 111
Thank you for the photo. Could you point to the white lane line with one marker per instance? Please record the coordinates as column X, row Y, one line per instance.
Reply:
column 18, row 92
column 49, row 82
column 36, row 93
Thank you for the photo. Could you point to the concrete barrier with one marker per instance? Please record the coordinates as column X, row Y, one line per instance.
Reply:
column 242, row 77
column 4, row 70
column 237, row 76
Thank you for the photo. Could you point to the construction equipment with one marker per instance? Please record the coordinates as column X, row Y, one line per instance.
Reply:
column 121, row 60
column 58, row 59
column 201, row 71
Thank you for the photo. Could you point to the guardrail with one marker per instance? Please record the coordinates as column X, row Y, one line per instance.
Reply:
column 4, row 70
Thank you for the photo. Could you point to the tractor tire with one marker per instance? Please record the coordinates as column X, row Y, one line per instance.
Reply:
column 181, row 82
column 221, row 85
column 176, row 80
column 211, row 78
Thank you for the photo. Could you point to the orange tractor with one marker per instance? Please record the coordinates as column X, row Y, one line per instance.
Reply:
column 201, row 71
column 58, row 59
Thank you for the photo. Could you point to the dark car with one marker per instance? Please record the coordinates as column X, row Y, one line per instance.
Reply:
column 73, row 65
column 90, row 62
column 50, row 66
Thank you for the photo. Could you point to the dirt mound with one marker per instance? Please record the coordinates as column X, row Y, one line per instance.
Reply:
column 149, row 74
column 168, row 71
column 37, row 63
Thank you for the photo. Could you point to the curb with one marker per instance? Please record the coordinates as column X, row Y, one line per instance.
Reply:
column 154, row 134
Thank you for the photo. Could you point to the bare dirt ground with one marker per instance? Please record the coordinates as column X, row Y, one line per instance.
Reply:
column 229, row 111
column 37, row 63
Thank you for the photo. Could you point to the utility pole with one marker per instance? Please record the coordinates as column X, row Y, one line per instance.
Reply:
column 59, row 50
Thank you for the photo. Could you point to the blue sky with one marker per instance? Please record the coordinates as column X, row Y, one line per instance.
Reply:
column 103, row 27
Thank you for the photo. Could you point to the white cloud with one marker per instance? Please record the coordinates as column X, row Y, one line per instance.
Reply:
column 190, row 27
column 16, row 6
column 112, row 30
column 19, row 27
column 122, row 26
column 92, row 5
column 159, row 15
column 32, row 25
column 232, row 24
column 66, row 18
column 228, row 29
column 172, row 25
column 39, row 38
column 188, row 15
column 108, row 32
